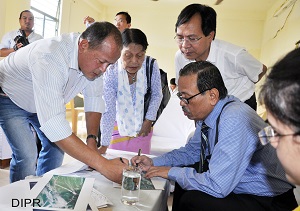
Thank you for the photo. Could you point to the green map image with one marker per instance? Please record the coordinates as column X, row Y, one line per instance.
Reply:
column 61, row 192
column 146, row 183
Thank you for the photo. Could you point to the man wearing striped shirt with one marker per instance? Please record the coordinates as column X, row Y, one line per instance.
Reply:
column 38, row 81
column 237, row 172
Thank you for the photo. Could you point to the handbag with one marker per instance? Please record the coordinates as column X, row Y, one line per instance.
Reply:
column 147, row 96
column 164, row 86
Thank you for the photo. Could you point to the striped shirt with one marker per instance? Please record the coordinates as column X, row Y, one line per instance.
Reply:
column 239, row 163
column 43, row 76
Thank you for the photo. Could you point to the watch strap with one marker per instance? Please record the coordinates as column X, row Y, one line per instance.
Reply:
column 93, row 137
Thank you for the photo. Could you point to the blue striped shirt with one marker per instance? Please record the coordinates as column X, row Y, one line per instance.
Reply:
column 110, row 81
column 239, row 163
column 43, row 76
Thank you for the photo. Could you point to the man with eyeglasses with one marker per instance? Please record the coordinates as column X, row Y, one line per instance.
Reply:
column 280, row 95
column 223, row 166
column 195, row 35
column 35, row 84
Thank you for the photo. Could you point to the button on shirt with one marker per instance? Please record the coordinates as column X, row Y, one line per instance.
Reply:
column 239, row 69
column 8, row 39
column 239, row 163
column 43, row 76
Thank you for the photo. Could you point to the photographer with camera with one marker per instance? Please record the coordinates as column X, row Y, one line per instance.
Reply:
column 16, row 39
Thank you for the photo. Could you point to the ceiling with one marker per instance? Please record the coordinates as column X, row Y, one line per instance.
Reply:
column 247, row 5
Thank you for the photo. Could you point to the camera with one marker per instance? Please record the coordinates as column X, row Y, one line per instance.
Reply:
column 21, row 39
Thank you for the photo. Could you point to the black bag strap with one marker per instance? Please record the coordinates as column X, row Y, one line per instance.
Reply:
column 149, row 70
column 217, row 128
column 218, row 120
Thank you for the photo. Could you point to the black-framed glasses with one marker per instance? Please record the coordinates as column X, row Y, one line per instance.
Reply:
column 186, row 100
column 268, row 135
column 190, row 39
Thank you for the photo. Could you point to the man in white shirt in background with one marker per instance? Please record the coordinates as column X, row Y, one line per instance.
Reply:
column 122, row 21
column 195, row 35
column 173, row 87
column 35, row 84
column 9, row 44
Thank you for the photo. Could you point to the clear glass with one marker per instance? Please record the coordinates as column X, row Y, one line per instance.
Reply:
column 131, row 185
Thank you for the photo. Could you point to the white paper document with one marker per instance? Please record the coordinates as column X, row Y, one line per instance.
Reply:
column 67, row 193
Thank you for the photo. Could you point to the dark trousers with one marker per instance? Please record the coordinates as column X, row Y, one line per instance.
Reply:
column 198, row 201
column 252, row 102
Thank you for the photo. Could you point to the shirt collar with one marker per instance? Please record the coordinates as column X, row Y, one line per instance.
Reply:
column 212, row 55
column 74, row 56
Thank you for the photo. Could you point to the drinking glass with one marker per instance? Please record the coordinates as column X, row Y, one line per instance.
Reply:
column 131, row 182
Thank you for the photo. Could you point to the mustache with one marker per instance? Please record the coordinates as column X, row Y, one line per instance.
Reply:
column 184, row 109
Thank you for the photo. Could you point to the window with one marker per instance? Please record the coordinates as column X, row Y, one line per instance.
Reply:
column 46, row 17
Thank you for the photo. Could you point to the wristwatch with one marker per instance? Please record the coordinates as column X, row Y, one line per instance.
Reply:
column 93, row 137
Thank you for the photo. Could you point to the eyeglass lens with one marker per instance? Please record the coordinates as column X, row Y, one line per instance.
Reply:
column 266, row 134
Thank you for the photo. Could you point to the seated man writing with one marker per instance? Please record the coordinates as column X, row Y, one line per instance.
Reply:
column 230, row 169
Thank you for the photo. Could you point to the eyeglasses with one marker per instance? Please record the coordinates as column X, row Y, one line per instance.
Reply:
column 268, row 134
column 119, row 20
column 186, row 100
column 190, row 39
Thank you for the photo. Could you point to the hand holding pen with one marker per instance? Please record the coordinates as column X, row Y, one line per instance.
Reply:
column 139, row 154
column 142, row 161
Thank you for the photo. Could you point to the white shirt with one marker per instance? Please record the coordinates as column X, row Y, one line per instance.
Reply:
column 174, row 92
column 239, row 69
column 43, row 76
column 8, row 39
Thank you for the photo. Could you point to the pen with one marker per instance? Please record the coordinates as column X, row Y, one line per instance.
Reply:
column 139, row 154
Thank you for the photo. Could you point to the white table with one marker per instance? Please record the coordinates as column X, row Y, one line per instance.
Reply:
column 154, row 200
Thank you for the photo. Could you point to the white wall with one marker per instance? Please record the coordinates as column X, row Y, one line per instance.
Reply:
column 241, row 28
column 2, row 17
column 275, row 46
column 73, row 13
column 288, row 26
column 9, row 14
column 253, row 31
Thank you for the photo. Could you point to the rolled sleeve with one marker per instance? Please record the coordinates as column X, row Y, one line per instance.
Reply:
column 7, row 40
column 248, row 65
column 56, row 128
column 93, row 100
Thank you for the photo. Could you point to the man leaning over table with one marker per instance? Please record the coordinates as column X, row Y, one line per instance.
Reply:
column 195, row 35
column 235, row 172
column 39, row 80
